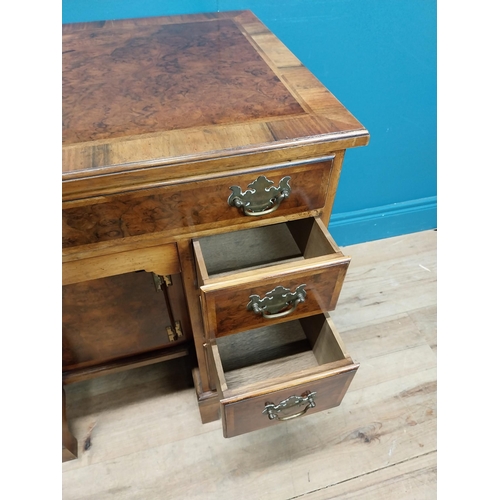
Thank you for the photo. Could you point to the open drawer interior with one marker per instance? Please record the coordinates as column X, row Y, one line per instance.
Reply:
column 271, row 364
column 280, row 350
column 250, row 278
column 256, row 248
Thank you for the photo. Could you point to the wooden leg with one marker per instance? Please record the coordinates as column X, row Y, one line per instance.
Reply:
column 69, row 442
column 208, row 402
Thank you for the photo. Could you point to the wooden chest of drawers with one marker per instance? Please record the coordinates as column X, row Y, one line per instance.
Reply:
column 200, row 165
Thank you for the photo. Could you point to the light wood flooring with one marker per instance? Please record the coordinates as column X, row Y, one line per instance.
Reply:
column 147, row 441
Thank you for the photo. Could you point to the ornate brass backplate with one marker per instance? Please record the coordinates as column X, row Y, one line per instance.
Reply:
column 262, row 196
column 275, row 302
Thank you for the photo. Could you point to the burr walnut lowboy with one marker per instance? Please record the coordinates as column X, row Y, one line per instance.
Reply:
column 200, row 164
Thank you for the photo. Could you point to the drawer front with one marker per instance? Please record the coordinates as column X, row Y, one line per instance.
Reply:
column 279, row 373
column 226, row 305
column 197, row 205
column 159, row 259
column 246, row 413
column 250, row 279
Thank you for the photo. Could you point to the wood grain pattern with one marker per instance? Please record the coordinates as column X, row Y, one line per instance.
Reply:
column 327, row 345
column 158, row 114
column 164, row 77
column 332, row 187
column 389, row 276
column 69, row 442
column 279, row 365
column 225, row 296
column 203, row 384
column 256, row 247
column 112, row 318
column 194, row 205
column 254, row 348
column 131, row 176
column 220, row 256
column 161, row 260
column 245, row 415
column 415, row 478
column 123, row 364
column 379, row 444
column 226, row 308
column 167, row 101
column 297, row 348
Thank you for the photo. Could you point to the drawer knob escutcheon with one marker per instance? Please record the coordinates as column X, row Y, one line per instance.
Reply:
column 273, row 304
column 274, row 411
column 262, row 197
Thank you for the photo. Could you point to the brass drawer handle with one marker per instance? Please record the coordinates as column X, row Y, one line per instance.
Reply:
column 262, row 197
column 272, row 305
column 273, row 411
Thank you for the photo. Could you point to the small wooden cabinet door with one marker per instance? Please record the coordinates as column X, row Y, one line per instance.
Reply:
column 115, row 317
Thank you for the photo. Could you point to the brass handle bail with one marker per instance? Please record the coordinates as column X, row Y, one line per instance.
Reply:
column 273, row 304
column 261, row 197
column 274, row 411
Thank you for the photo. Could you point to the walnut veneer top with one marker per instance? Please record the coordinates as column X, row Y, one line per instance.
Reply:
column 143, row 93
column 166, row 77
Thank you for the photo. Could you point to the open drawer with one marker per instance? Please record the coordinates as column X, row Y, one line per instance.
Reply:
column 279, row 373
column 268, row 275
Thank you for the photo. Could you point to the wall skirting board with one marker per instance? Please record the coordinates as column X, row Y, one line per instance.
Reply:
column 369, row 224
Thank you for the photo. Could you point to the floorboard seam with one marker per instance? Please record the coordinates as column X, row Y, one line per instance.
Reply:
column 362, row 475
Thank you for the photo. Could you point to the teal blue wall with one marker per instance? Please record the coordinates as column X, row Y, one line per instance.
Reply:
column 379, row 58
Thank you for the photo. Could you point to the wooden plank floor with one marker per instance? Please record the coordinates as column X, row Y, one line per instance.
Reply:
column 147, row 441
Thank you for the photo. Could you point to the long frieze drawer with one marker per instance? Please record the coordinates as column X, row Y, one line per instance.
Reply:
column 280, row 190
column 267, row 275
column 279, row 373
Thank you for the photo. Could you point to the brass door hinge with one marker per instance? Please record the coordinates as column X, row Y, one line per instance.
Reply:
column 160, row 280
column 174, row 333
